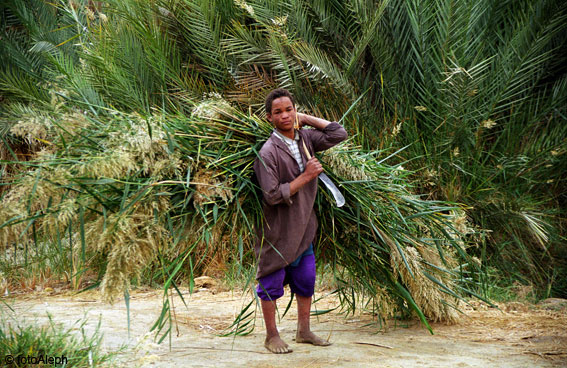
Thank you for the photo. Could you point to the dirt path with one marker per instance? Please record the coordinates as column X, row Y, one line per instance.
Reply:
column 517, row 336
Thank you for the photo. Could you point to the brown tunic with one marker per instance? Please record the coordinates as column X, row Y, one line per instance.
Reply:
column 290, row 223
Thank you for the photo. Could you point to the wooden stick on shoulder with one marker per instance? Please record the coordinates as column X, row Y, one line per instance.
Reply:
column 307, row 154
column 306, row 150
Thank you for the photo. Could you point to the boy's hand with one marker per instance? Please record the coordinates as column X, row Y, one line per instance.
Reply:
column 301, row 120
column 312, row 171
column 313, row 168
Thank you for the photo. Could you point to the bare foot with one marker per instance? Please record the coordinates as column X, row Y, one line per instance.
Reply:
column 276, row 345
column 310, row 338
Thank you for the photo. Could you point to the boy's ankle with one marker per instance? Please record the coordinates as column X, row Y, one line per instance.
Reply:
column 271, row 335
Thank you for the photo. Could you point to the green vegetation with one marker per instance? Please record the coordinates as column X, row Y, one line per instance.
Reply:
column 34, row 341
column 130, row 128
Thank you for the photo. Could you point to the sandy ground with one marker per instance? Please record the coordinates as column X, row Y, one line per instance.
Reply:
column 518, row 335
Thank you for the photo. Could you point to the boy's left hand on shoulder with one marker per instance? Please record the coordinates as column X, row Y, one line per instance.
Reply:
column 302, row 119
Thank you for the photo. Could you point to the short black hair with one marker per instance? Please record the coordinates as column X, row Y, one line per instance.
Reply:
column 277, row 93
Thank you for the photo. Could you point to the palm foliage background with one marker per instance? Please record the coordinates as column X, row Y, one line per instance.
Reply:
column 129, row 128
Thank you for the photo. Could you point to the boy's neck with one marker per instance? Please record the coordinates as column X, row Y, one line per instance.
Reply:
column 288, row 134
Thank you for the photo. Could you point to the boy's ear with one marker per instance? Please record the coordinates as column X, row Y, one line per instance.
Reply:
column 269, row 117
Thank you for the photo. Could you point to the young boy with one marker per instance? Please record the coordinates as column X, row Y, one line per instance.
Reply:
column 284, row 244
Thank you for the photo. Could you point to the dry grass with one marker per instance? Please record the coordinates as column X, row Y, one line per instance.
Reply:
column 435, row 304
column 129, row 238
column 347, row 163
column 539, row 329
column 131, row 241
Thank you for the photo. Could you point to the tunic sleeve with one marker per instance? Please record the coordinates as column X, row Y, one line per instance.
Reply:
column 273, row 190
column 326, row 138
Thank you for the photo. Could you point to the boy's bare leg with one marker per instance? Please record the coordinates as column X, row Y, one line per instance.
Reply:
column 304, row 334
column 273, row 341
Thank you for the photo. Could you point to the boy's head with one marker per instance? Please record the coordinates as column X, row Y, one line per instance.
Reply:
column 277, row 93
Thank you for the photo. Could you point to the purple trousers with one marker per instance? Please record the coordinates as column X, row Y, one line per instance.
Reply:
column 300, row 275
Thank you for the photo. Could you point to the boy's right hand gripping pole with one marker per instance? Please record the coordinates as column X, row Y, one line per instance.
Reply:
column 339, row 199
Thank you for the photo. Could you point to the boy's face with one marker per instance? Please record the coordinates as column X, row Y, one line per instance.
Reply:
column 282, row 114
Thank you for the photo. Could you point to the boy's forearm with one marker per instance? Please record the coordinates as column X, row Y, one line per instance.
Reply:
column 315, row 122
column 298, row 183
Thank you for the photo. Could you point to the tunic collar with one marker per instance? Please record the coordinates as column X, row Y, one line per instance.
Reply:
column 286, row 139
column 284, row 146
column 281, row 143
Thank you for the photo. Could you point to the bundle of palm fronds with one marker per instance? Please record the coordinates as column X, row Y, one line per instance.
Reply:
column 134, row 188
